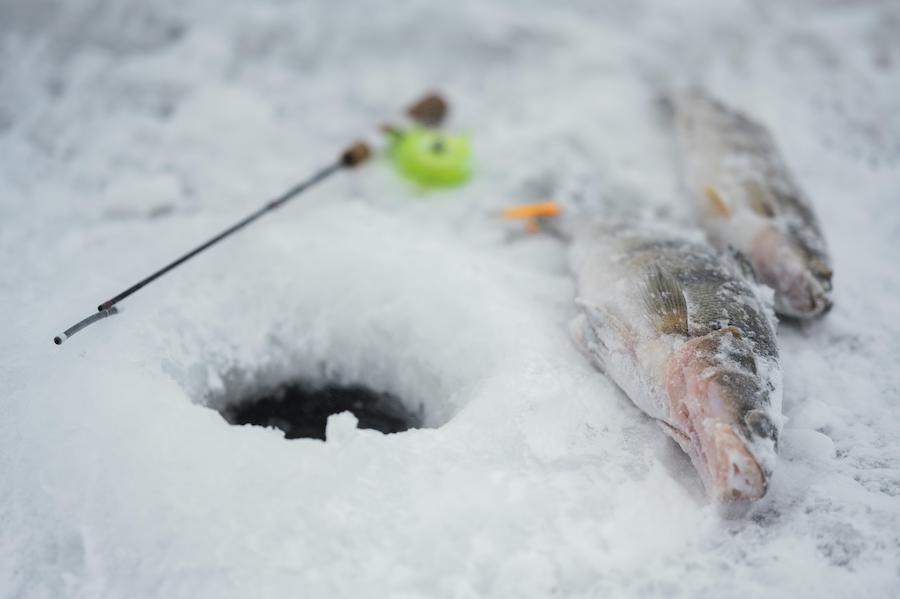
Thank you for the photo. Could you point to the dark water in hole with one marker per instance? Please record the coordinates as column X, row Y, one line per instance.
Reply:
column 302, row 411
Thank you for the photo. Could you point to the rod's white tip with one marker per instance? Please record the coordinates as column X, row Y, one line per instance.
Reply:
column 58, row 340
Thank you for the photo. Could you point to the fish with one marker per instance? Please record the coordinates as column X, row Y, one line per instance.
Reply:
column 748, row 202
column 691, row 341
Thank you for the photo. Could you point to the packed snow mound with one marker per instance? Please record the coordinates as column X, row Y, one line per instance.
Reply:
column 130, row 131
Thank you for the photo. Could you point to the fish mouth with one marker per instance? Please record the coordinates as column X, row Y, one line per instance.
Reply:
column 728, row 469
column 804, row 296
column 802, row 287
column 707, row 426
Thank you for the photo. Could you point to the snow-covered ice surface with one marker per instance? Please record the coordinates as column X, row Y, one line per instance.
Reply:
column 130, row 130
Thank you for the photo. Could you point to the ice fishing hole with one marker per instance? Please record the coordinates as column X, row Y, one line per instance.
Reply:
column 302, row 410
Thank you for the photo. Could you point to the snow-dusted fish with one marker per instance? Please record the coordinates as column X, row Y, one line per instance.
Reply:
column 691, row 342
column 748, row 201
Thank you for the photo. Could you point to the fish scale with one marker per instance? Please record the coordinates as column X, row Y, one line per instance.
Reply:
column 712, row 290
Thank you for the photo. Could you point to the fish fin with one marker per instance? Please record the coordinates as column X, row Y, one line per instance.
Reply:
column 665, row 302
column 600, row 319
column 677, row 435
column 742, row 264
column 715, row 205
column 577, row 332
column 587, row 341
column 760, row 202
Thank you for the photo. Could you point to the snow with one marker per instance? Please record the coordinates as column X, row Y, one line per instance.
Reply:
column 129, row 131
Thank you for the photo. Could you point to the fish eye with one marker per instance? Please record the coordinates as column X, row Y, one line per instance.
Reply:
column 760, row 425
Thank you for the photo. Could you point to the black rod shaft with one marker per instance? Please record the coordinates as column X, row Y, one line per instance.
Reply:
column 349, row 159
column 277, row 202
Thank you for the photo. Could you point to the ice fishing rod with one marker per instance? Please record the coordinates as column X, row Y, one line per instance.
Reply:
column 429, row 110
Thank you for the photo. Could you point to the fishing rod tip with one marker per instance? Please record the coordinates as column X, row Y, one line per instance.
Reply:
column 101, row 314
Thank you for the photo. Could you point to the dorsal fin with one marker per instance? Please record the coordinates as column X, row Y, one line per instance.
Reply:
column 665, row 302
column 715, row 205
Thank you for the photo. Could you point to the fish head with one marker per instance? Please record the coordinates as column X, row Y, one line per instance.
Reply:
column 719, row 415
column 798, row 271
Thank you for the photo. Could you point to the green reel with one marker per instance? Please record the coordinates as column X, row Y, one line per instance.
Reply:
column 432, row 158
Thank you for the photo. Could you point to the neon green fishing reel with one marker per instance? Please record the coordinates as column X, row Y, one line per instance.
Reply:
column 430, row 157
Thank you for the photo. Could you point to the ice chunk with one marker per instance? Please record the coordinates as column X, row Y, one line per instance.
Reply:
column 341, row 428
